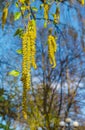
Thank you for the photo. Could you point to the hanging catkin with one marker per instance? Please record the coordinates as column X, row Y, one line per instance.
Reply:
column 32, row 35
column 29, row 52
column 52, row 47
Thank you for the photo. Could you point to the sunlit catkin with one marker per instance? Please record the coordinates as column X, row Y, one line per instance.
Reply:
column 24, row 74
column 46, row 9
column 82, row 2
column 52, row 47
column 56, row 16
column 4, row 16
column 32, row 36
column 29, row 52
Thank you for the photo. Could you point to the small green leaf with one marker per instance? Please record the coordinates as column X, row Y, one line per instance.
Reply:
column 34, row 9
column 23, row 8
column 1, row 99
column 16, row 4
column 45, row 24
column 14, row 73
column 17, row 15
column 19, row 51
column 41, row 6
column 19, row 32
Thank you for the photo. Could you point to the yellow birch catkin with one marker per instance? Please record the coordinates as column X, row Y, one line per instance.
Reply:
column 56, row 16
column 82, row 2
column 29, row 52
column 32, row 35
column 24, row 74
column 46, row 11
column 4, row 16
column 52, row 47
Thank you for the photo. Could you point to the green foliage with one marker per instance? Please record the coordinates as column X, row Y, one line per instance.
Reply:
column 16, row 4
column 5, row 127
column 6, row 106
column 19, row 32
column 34, row 9
column 1, row 98
column 19, row 51
column 17, row 15
column 45, row 24
column 14, row 73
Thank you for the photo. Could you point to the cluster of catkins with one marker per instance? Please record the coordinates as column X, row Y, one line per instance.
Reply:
column 29, row 60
